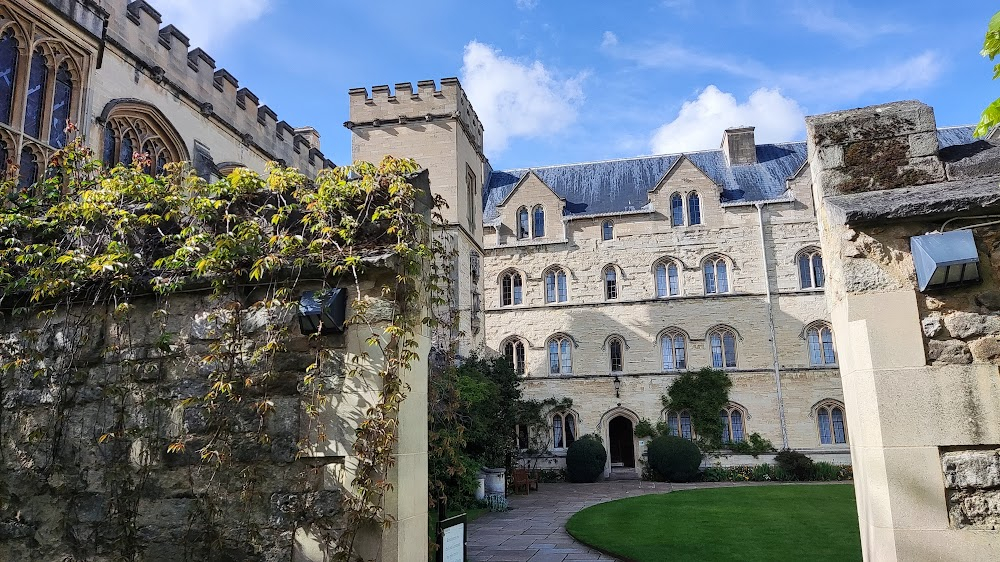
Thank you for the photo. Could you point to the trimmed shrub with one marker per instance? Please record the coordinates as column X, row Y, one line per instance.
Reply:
column 585, row 459
column 674, row 458
column 795, row 463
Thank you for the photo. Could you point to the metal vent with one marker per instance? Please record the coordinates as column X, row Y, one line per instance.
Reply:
column 945, row 259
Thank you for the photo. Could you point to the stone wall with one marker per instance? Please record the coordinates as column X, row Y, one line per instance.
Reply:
column 89, row 412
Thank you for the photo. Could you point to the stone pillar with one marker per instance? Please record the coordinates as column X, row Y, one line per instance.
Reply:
column 923, row 428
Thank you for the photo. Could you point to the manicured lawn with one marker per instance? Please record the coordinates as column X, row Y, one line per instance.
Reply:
column 786, row 522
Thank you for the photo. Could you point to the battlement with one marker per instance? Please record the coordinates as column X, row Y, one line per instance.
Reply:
column 403, row 105
column 88, row 14
column 165, row 55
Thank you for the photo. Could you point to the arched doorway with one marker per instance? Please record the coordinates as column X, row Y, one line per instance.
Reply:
column 620, row 443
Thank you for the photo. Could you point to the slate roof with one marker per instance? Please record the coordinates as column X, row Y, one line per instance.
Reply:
column 617, row 186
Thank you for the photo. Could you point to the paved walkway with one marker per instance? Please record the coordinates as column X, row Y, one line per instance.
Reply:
column 534, row 529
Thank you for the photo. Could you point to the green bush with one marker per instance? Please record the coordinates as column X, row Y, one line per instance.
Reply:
column 585, row 459
column 824, row 471
column 795, row 463
column 754, row 444
column 644, row 429
column 674, row 458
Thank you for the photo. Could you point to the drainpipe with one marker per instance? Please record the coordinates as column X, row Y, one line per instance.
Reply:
column 770, row 325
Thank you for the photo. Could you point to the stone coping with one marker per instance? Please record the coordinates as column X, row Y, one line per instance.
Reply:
column 935, row 199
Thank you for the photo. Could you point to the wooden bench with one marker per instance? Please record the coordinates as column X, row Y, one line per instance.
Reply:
column 523, row 479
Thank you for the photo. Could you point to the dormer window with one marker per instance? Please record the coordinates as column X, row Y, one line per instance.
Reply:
column 676, row 210
column 537, row 222
column 694, row 209
column 522, row 223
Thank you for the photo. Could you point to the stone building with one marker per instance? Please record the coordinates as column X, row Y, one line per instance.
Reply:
column 908, row 219
column 603, row 280
column 132, row 84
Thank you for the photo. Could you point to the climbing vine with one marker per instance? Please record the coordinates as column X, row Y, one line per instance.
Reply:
column 703, row 394
column 89, row 239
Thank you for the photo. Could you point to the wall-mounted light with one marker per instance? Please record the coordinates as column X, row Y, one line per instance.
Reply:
column 323, row 312
column 945, row 259
column 618, row 386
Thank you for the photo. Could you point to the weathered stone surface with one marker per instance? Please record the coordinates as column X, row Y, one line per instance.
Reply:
column 971, row 469
column 967, row 324
column 978, row 510
column 931, row 325
column 986, row 350
column 989, row 299
column 966, row 195
column 950, row 352
column 977, row 159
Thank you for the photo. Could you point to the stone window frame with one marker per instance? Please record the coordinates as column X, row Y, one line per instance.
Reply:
column 563, row 353
column 666, row 262
column 555, row 271
column 608, row 230
column 38, row 153
column 611, row 292
column 537, row 215
column 717, row 259
column 512, row 274
column 565, row 437
column 819, row 327
column 688, row 207
column 726, row 415
column 510, row 350
column 828, row 405
column 674, row 198
column 147, row 127
column 673, row 333
column 610, row 344
column 668, row 416
column 522, row 223
column 31, row 34
column 720, row 331
column 810, row 253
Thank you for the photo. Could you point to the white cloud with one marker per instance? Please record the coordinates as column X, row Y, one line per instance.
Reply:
column 526, row 4
column 908, row 74
column 609, row 40
column 209, row 23
column 859, row 30
column 700, row 123
column 515, row 99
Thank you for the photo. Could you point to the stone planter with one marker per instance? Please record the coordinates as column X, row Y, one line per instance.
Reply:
column 496, row 480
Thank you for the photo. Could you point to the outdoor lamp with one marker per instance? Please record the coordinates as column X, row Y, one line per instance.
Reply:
column 945, row 259
column 322, row 312
column 618, row 386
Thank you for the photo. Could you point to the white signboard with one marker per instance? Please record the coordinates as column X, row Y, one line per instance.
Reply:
column 453, row 543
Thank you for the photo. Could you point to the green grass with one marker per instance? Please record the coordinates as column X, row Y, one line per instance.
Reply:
column 772, row 523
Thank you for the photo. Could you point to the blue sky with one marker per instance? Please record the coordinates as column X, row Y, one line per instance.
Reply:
column 558, row 81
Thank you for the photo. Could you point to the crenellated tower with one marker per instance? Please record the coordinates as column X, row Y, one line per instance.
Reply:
column 437, row 127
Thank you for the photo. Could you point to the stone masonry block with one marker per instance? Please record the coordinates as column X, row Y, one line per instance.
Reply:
column 966, row 324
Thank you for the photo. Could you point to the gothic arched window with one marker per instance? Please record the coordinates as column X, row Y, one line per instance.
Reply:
column 610, row 283
column 537, row 222
column 616, row 352
column 676, row 210
column 694, row 209
column 560, row 356
column 563, row 430
column 37, row 78
column 62, row 100
column 522, row 223
column 716, row 274
column 811, row 269
column 830, row 418
column 513, row 350
column 555, row 286
column 679, row 424
column 723, row 342
column 821, row 351
column 673, row 349
column 732, row 418
column 511, row 290
column 133, row 127
column 8, row 73
column 667, row 279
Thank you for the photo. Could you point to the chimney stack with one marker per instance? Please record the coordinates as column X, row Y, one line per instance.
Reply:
column 739, row 145
column 310, row 134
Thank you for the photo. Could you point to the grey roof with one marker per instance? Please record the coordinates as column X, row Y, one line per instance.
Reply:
column 616, row 186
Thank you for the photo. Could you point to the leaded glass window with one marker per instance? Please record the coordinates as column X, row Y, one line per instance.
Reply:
column 676, row 210
column 821, row 351
column 610, row 283
column 555, row 286
column 37, row 78
column 830, row 418
column 811, row 272
column 617, row 355
column 8, row 73
column 723, row 344
column 513, row 350
column 62, row 101
column 732, row 424
column 716, row 274
column 679, row 424
column 28, row 169
column 522, row 223
column 511, row 289
column 608, row 230
column 694, row 209
column 560, row 356
column 538, row 222
column 673, row 351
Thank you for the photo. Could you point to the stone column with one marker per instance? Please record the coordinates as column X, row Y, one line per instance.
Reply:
column 924, row 428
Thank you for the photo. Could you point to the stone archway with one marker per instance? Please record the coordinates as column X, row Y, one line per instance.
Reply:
column 621, row 444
